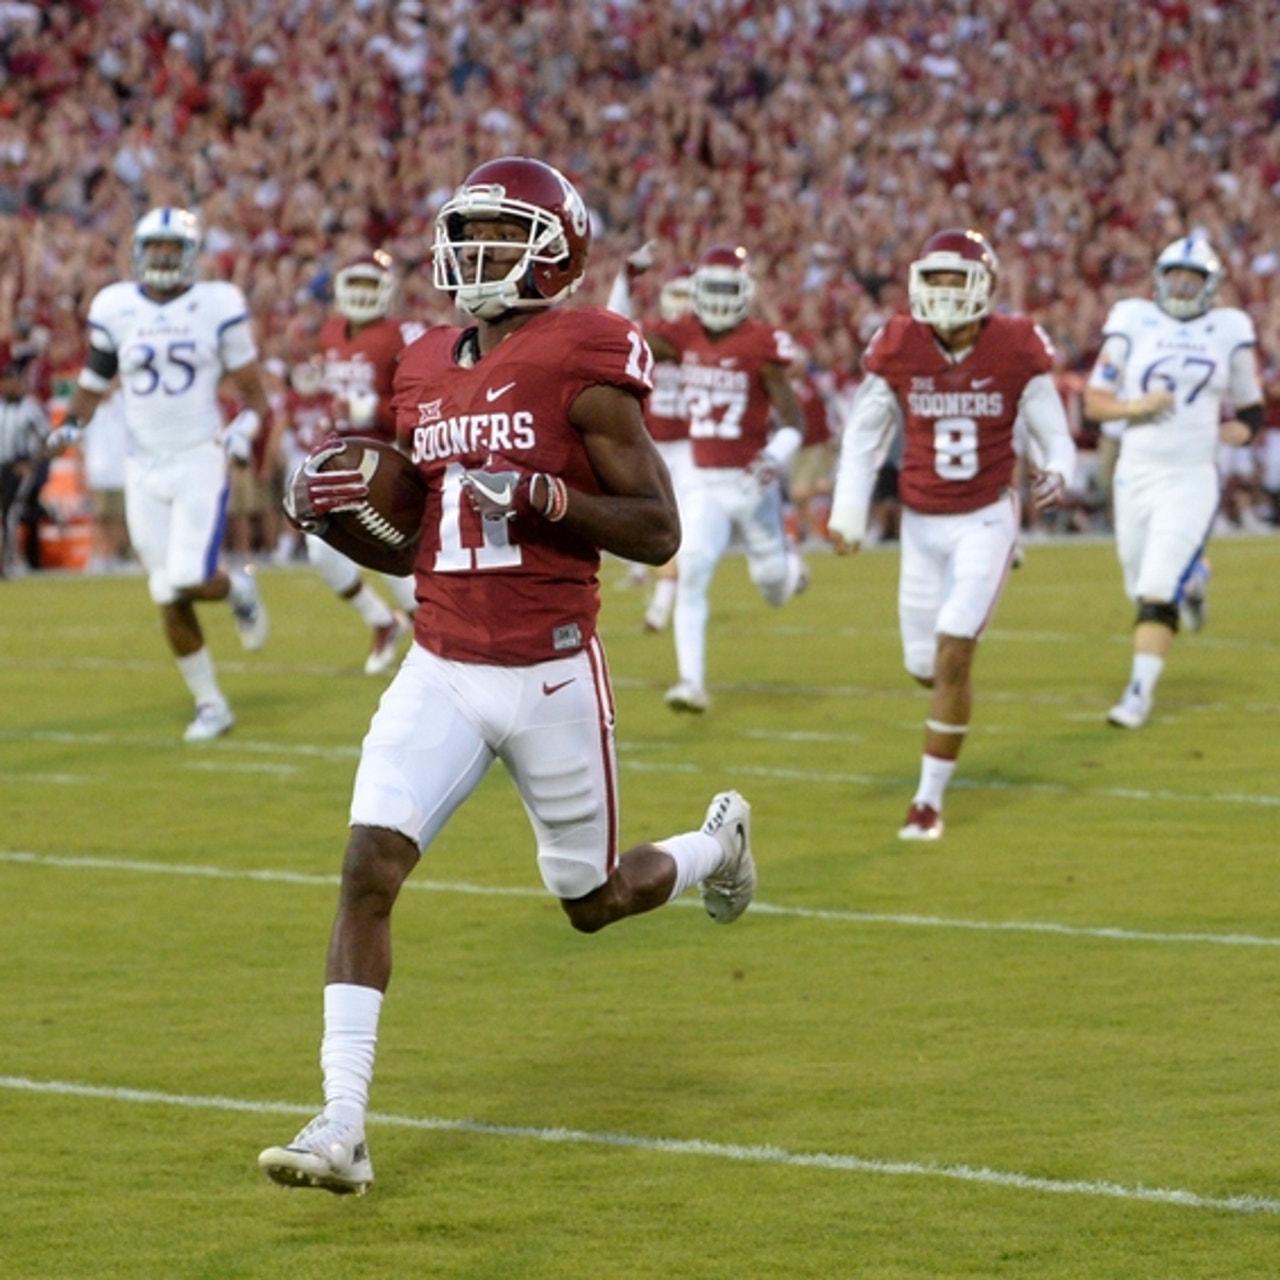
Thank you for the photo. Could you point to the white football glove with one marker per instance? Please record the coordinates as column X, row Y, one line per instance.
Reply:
column 641, row 260
column 238, row 436
column 762, row 472
column 64, row 438
column 1048, row 489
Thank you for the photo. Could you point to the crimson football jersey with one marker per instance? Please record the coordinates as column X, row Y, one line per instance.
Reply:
column 361, row 364
column 729, row 411
column 510, row 592
column 958, row 418
column 309, row 418
column 664, row 413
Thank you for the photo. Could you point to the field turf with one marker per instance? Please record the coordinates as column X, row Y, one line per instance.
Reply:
column 1047, row 1046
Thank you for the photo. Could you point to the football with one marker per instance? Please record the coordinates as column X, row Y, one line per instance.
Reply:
column 383, row 532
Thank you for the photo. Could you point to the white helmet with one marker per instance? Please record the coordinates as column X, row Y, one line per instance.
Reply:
column 365, row 289
column 172, row 268
column 722, row 287
column 1193, row 253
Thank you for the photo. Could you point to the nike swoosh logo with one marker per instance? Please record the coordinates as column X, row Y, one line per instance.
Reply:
column 500, row 495
column 494, row 392
column 549, row 689
column 979, row 383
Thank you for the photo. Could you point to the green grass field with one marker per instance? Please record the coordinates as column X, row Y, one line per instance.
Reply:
column 1047, row 1046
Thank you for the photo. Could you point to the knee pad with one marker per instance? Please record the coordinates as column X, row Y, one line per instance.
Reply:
column 160, row 587
column 1165, row 614
column 919, row 660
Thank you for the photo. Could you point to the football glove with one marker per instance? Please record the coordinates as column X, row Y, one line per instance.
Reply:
column 64, row 438
column 1048, row 489
column 238, row 436
column 497, row 495
column 312, row 495
column 762, row 472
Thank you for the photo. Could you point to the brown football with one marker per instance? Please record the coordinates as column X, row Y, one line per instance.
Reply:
column 383, row 532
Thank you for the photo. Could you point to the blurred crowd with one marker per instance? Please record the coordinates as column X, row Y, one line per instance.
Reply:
column 830, row 137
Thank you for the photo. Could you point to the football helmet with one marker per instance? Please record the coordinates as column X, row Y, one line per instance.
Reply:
column 552, row 258
column 953, row 306
column 365, row 289
column 675, row 298
column 722, row 287
column 165, row 244
column 1192, row 253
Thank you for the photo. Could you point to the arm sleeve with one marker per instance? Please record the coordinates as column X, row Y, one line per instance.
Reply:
column 1052, row 448
column 1243, row 384
column 873, row 418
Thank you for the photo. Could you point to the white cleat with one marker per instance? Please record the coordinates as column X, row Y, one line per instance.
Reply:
column 923, row 822
column 1130, row 712
column 213, row 719
column 326, row 1154
column 247, row 609
column 728, row 890
column 687, row 696
column 386, row 644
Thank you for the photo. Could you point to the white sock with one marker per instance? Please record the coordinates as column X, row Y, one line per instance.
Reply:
column 696, row 856
column 371, row 607
column 347, row 1049
column 1146, row 671
column 197, row 671
column 664, row 598
column 935, row 773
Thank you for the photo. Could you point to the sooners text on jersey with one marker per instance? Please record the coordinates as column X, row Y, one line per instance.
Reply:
column 958, row 418
column 520, row 591
column 728, row 408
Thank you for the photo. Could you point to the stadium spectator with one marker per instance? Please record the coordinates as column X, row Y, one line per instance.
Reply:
column 827, row 138
column 954, row 378
column 506, row 662
column 1169, row 368
column 105, row 444
column 24, row 430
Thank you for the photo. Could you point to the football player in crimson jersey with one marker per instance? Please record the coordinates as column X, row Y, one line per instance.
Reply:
column 736, row 378
column 664, row 411
column 357, row 352
column 527, row 427
column 954, row 378
column 1167, row 370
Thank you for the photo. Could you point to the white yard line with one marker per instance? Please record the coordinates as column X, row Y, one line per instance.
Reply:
column 675, row 1147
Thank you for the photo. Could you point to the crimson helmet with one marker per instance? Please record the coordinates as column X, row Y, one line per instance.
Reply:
column 554, row 252
column 365, row 289
column 722, row 287
column 953, row 306
column 1193, row 253
column 675, row 298
column 166, row 242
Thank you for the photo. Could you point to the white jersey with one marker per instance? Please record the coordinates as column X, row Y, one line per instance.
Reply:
column 171, row 357
column 1207, row 363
